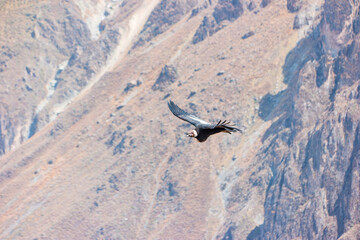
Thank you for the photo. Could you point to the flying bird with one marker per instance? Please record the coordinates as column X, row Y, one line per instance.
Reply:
column 202, row 129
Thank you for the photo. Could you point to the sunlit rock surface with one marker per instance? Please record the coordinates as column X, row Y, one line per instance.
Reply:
column 89, row 149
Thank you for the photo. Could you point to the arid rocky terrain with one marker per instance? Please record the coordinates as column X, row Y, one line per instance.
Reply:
column 90, row 150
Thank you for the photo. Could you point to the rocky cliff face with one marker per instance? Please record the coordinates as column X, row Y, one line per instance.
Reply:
column 57, row 56
column 90, row 150
column 312, row 147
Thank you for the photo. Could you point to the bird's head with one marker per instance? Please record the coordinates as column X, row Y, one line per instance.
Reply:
column 193, row 133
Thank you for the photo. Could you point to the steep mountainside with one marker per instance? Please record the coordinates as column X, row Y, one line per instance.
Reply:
column 89, row 149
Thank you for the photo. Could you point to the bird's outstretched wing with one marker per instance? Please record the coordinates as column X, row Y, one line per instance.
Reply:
column 222, row 125
column 186, row 116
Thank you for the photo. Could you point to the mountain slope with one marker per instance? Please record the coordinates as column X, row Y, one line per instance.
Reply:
column 91, row 151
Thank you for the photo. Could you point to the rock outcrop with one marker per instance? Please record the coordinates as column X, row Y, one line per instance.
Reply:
column 167, row 76
column 225, row 10
column 294, row 5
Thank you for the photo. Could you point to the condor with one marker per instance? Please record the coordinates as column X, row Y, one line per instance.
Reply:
column 202, row 129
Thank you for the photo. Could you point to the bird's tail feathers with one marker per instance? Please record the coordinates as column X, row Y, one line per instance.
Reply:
column 229, row 127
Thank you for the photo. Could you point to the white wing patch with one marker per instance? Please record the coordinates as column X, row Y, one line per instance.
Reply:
column 199, row 120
